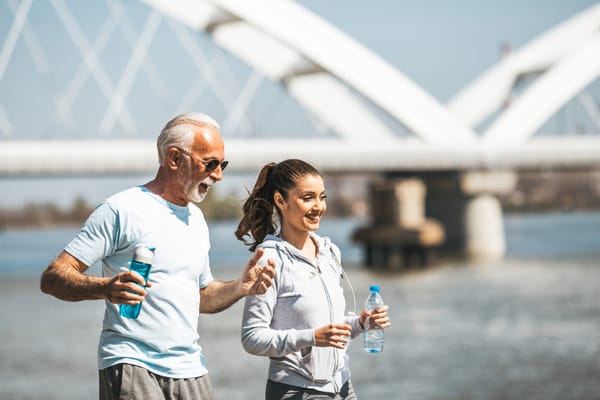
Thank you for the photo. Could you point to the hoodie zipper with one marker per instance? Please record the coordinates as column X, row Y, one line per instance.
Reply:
column 331, row 320
column 317, row 266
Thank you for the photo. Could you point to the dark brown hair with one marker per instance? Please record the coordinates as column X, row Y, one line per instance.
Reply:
column 257, row 221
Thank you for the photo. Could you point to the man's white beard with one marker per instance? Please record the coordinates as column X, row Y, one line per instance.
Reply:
column 192, row 192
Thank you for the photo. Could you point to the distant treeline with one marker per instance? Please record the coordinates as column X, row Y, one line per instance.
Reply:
column 535, row 191
column 554, row 190
column 215, row 207
column 49, row 214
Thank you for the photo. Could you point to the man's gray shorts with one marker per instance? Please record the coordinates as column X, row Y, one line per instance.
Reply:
column 128, row 382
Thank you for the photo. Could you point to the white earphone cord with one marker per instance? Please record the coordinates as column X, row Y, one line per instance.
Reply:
column 353, row 312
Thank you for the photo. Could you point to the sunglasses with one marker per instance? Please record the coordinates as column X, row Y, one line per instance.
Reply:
column 209, row 166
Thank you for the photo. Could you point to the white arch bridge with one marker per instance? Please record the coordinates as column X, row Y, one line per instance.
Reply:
column 367, row 115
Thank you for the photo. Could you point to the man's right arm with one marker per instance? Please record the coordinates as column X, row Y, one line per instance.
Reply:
column 64, row 279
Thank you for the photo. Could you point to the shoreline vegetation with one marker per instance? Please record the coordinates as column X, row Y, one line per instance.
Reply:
column 535, row 192
column 49, row 215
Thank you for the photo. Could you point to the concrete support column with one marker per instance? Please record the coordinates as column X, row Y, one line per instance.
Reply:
column 467, row 206
column 399, row 202
column 445, row 202
column 399, row 233
column 483, row 219
column 484, row 228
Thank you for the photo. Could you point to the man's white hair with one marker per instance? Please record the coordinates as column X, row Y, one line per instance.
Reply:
column 179, row 132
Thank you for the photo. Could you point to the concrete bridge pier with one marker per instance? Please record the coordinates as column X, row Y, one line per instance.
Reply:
column 400, row 234
column 452, row 211
column 467, row 205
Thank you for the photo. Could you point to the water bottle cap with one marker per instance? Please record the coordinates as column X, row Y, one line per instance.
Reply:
column 374, row 288
column 144, row 254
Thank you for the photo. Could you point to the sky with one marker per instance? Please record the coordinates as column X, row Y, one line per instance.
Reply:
column 439, row 44
column 442, row 45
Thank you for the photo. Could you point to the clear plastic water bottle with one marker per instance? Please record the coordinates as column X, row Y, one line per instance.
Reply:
column 373, row 333
column 140, row 263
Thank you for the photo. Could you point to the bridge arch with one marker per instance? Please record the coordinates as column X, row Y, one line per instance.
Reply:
column 563, row 56
column 313, row 65
column 551, row 91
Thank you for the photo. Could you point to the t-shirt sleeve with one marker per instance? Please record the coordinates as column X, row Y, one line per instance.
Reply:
column 206, row 276
column 98, row 236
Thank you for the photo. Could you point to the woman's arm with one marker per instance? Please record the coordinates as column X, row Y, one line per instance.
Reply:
column 260, row 339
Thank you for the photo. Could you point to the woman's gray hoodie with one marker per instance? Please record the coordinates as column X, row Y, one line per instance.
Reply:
column 280, row 324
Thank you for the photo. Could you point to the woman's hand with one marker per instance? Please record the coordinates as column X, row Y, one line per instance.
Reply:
column 333, row 335
column 379, row 316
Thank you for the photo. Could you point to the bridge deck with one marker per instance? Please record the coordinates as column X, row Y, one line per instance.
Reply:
column 22, row 158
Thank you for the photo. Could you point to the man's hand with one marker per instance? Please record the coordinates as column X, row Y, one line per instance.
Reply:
column 124, row 288
column 256, row 279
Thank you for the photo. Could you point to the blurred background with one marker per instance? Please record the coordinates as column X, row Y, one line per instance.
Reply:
column 460, row 144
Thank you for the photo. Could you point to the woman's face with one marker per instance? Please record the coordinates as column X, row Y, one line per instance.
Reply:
column 304, row 206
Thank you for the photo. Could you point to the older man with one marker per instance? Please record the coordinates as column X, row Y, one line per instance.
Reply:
column 157, row 355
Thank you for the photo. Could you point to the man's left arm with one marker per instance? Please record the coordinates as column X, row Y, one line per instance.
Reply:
column 256, row 279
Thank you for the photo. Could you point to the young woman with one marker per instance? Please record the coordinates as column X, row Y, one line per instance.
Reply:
column 299, row 322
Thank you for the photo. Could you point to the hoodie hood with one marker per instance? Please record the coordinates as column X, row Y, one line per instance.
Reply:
column 275, row 242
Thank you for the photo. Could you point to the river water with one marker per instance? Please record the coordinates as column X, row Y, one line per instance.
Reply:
column 526, row 327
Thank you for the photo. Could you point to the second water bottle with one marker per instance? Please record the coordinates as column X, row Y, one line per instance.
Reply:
column 373, row 333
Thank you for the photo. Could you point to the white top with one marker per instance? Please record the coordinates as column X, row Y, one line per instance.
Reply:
column 164, row 338
column 280, row 323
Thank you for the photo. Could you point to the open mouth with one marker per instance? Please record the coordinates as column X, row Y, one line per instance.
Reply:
column 313, row 217
column 206, row 184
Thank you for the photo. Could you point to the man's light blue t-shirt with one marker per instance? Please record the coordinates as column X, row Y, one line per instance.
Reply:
column 164, row 338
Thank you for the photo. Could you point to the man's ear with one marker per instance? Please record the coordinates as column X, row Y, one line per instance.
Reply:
column 173, row 157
